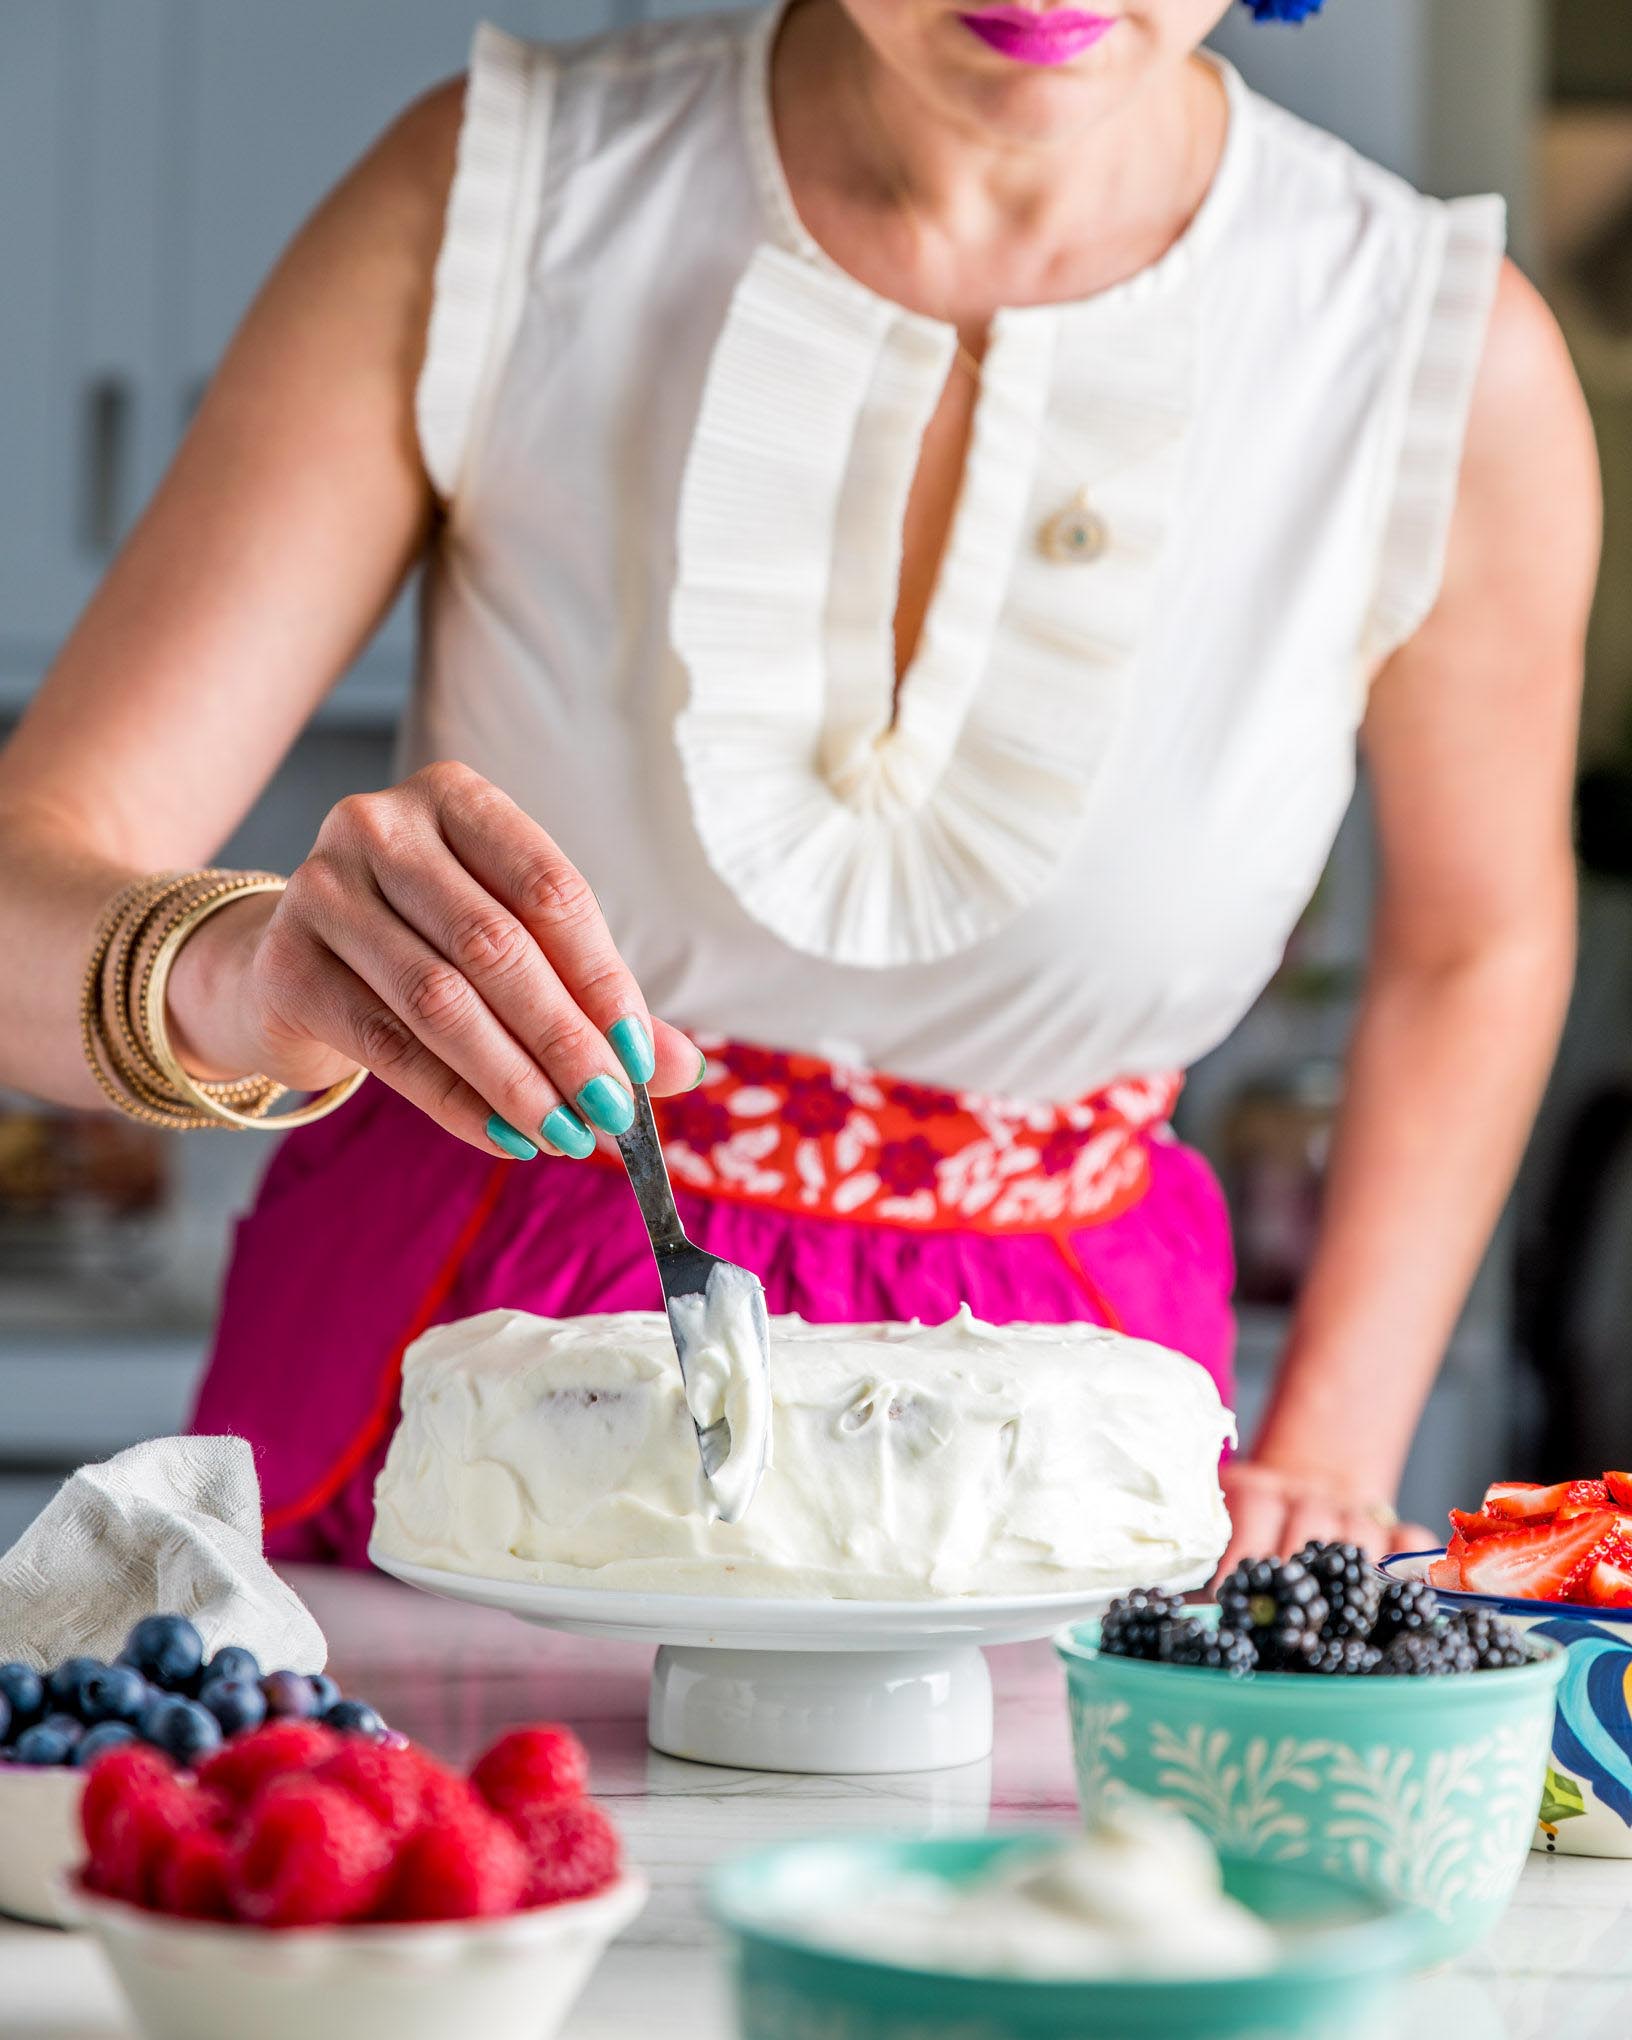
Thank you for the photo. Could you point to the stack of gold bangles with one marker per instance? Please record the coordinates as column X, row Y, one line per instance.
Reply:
column 122, row 1020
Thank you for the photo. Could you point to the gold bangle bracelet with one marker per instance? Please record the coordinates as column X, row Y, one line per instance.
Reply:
column 155, row 1030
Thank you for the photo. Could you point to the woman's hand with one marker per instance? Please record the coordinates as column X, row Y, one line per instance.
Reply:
column 437, row 936
column 1274, row 1512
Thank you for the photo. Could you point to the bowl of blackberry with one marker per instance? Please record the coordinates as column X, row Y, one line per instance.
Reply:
column 161, row 1690
column 1319, row 1713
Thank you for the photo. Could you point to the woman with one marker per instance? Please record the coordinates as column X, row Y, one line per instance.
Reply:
column 920, row 504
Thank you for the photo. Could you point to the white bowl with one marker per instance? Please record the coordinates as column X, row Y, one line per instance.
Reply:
column 513, row 1978
column 40, row 1843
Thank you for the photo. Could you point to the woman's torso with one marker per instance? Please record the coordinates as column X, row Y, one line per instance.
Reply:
column 677, row 443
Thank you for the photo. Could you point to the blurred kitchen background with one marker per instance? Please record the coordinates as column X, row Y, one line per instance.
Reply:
column 155, row 154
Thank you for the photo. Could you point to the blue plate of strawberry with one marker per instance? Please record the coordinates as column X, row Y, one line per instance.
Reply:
column 1556, row 1558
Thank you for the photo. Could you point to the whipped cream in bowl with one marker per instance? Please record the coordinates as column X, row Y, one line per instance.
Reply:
column 1134, row 1926
column 1141, row 1894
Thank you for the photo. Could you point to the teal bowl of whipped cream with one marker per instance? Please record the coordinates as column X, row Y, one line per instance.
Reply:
column 1421, row 1791
column 1132, row 1932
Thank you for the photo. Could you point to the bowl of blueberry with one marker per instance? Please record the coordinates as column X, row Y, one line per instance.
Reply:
column 161, row 1690
column 1318, row 1714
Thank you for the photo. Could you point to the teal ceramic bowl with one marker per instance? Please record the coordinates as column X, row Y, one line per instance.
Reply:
column 1345, row 1956
column 1420, row 1791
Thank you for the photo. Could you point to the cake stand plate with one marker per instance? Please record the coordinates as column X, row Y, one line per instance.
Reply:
column 785, row 1685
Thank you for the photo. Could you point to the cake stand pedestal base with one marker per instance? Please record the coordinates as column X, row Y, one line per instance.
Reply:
column 806, row 1710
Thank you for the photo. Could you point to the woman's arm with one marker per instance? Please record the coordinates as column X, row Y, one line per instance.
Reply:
column 436, row 933
column 1470, row 739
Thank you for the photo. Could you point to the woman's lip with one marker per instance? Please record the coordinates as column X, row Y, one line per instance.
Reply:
column 1029, row 37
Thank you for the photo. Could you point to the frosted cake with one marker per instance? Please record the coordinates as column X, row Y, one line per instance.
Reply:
column 909, row 1461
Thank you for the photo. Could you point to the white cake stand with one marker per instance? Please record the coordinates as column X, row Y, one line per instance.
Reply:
column 784, row 1685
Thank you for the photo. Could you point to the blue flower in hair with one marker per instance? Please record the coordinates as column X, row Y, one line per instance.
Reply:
column 1284, row 10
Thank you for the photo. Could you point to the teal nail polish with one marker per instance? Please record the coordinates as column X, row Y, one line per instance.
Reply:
column 634, row 1046
column 702, row 1071
column 604, row 1101
column 565, row 1130
column 503, row 1135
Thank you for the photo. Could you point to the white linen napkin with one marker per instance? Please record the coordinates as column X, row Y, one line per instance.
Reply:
column 170, row 1527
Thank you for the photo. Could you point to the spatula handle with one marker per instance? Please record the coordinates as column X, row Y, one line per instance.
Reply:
column 642, row 1153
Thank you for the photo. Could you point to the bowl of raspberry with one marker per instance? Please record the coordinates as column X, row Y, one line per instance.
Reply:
column 162, row 1690
column 303, row 1880
column 1324, row 1716
column 1554, row 1559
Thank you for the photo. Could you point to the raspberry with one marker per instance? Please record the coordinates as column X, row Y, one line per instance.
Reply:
column 572, row 1847
column 307, row 1855
column 244, row 1766
column 107, row 1781
column 532, row 1767
column 139, row 1829
column 468, row 1865
column 399, row 1787
column 191, row 1877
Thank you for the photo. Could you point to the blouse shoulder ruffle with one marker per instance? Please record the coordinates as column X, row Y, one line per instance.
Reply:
column 1463, row 244
column 480, row 279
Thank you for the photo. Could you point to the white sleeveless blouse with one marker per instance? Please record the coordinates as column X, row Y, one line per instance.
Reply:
column 675, row 442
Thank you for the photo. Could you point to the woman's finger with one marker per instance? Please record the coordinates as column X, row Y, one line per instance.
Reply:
column 338, row 1007
column 1257, row 1513
column 446, row 1010
column 515, row 861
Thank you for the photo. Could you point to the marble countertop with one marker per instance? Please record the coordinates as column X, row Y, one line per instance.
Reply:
column 453, row 1677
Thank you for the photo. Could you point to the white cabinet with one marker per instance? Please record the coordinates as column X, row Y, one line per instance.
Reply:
column 155, row 156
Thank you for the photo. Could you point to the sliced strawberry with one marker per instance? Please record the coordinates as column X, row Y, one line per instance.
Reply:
column 1446, row 1572
column 1620, row 1488
column 1581, row 1497
column 1531, row 1563
column 1471, row 1527
column 1522, row 1501
column 1605, row 1576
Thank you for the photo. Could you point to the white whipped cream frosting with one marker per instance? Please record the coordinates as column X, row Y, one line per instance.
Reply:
column 910, row 1461
column 1139, row 1895
column 720, row 1338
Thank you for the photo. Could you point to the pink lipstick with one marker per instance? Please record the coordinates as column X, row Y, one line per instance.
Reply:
column 1028, row 37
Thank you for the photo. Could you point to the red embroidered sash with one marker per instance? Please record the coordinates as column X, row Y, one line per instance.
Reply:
column 807, row 1136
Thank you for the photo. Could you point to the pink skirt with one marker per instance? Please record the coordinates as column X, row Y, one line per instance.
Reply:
column 373, row 1225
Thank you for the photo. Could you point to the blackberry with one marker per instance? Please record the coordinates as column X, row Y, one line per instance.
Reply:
column 1405, row 1608
column 1135, row 1626
column 1428, row 1654
column 1496, row 1645
column 1278, row 1603
column 1210, row 1647
column 1349, row 1586
column 1341, row 1657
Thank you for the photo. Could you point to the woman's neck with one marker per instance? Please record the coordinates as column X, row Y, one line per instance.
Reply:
column 955, row 219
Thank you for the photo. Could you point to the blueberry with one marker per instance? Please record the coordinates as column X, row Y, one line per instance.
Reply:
column 107, row 1735
column 165, row 1649
column 42, row 1744
column 288, row 1694
column 325, row 1691
column 115, row 1693
column 354, row 1717
column 232, row 1661
column 69, row 1725
column 5, row 1718
column 65, row 1687
column 179, row 1727
column 237, row 1704
column 24, row 1692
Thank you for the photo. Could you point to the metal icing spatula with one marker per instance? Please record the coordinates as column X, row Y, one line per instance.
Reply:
column 721, row 1329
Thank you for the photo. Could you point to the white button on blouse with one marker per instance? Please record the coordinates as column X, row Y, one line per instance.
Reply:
column 676, row 442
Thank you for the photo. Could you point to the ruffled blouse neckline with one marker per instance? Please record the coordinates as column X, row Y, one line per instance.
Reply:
column 861, row 821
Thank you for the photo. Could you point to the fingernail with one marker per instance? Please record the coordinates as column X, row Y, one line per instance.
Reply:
column 565, row 1130
column 634, row 1047
column 604, row 1101
column 503, row 1135
column 702, row 1071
